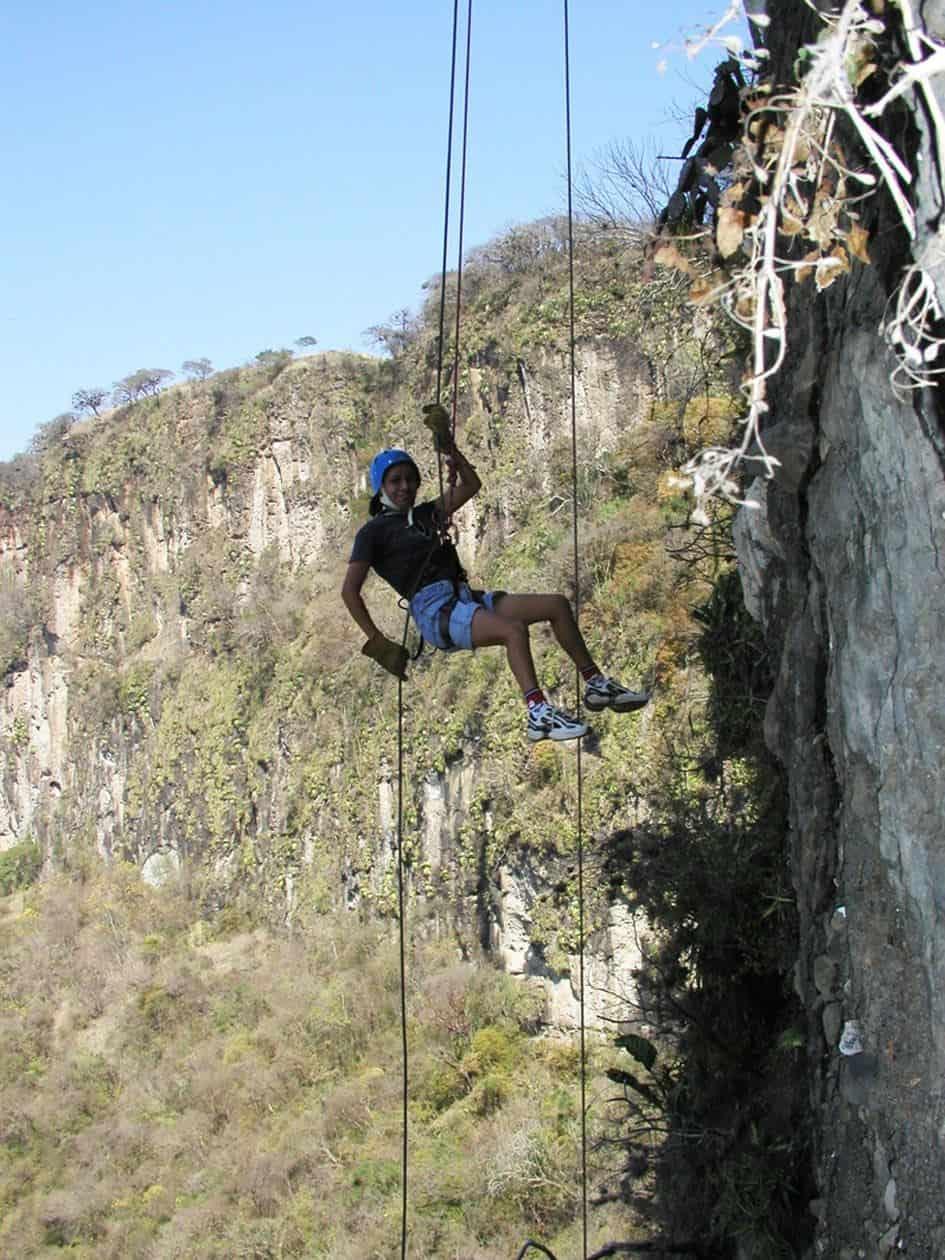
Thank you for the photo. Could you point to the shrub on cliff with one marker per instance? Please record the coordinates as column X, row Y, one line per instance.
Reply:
column 19, row 612
column 19, row 866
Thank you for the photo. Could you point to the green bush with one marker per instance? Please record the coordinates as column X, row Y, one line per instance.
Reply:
column 20, row 865
column 491, row 1092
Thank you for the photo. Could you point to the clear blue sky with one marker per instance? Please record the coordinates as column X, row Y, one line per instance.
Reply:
column 187, row 179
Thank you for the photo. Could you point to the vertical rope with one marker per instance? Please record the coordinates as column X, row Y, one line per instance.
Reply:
column 462, row 220
column 401, row 899
column 446, row 206
column 403, row 961
column 441, row 335
column 577, row 613
column 441, row 340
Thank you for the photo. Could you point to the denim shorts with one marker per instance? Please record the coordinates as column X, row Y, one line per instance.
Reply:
column 425, row 610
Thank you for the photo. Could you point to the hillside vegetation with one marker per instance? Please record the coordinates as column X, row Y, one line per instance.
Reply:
column 172, row 1086
column 218, row 1060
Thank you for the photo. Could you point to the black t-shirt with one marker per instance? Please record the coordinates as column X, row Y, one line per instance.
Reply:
column 401, row 553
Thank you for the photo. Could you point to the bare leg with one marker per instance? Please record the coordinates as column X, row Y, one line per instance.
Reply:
column 489, row 629
column 556, row 610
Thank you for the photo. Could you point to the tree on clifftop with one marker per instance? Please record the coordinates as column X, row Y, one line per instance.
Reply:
column 396, row 335
column 200, row 368
column 146, row 382
column 89, row 399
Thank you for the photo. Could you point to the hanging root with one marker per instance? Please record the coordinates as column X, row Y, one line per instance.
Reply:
column 792, row 172
column 910, row 332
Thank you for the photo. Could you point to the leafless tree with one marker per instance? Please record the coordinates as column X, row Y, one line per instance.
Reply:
column 625, row 187
column 146, row 382
column 200, row 368
column 89, row 399
column 519, row 249
column 396, row 335
column 52, row 432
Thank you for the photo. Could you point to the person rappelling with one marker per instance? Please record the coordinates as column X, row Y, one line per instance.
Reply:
column 408, row 545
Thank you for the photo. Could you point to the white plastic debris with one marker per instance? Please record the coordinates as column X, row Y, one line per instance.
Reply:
column 851, row 1039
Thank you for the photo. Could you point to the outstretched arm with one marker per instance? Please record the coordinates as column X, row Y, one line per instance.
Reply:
column 467, row 482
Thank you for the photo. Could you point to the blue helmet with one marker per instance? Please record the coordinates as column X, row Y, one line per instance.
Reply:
column 387, row 459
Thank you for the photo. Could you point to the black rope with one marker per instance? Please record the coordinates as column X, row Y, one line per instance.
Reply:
column 403, row 957
column 579, row 804
column 446, row 205
column 577, row 613
column 538, row 1247
column 440, row 345
column 462, row 220
column 401, row 899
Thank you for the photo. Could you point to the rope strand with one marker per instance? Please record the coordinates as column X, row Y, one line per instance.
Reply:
column 441, row 335
column 403, row 961
column 462, row 221
column 577, row 613
column 446, row 206
column 401, row 897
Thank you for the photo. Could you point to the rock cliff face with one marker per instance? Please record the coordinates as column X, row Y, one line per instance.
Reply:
column 125, row 724
column 844, row 565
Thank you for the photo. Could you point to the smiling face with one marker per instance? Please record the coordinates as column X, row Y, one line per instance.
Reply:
column 401, row 483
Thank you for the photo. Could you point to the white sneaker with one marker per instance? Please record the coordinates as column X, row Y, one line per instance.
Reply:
column 607, row 693
column 547, row 722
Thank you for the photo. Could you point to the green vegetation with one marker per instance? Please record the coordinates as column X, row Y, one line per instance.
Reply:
column 175, row 1086
column 18, row 615
column 722, row 1081
column 255, row 1103
column 19, row 866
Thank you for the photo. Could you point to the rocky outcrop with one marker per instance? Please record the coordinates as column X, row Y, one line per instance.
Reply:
column 844, row 565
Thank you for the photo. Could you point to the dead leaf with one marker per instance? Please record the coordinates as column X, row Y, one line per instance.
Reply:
column 773, row 141
column 669, row 256
column 864, row 73
column 745, row 306
column 701, row 290
column 829, row 268
column 729, row 230
column 792, row 218
column 857, row 241
column 811, row 260
column 822, row 223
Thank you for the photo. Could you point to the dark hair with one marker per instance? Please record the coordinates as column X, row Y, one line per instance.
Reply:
column 375, row 505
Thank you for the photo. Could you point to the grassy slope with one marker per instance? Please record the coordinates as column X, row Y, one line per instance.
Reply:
column 172, row 1087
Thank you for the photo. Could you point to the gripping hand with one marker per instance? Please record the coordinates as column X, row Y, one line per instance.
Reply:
column 437, row 420
column 388, row 654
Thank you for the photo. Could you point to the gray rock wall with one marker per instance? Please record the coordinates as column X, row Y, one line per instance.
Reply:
column 844, row 566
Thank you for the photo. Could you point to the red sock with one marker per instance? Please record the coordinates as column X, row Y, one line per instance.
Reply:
column 589, row 672
column 535, row 696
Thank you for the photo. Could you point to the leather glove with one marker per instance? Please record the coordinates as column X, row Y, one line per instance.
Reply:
column 388, row 654
column 437, row 420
